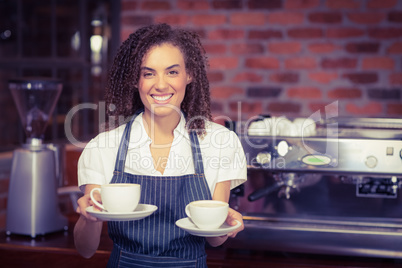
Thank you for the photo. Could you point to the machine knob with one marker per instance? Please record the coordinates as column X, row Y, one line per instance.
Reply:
column 400, row 153
column 371, row 161
column 283, row 148
column 263, row 158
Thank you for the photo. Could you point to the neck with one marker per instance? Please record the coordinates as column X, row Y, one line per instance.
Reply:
column 160, row 129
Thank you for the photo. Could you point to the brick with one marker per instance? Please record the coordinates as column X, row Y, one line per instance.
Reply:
column 247, row 107
column 345, row 93
column 247, row 77
column 286, row 18
column 156, row 5
column 193, row 5
column 209, row 19
column 266, row 34
column 262, row 63
column 336, row 63
column 345, row 32
column 395, row 17
column 173, row 19
column 366, row 17
column 225, row 92
column 134, row 20
column 325, row 17
column 215, row 76
column 376, row 4
column 284, row 108
column 226, row 34
column 394, row 109
column 362, row 47
column 385, row 33
column 361, row 78
column 384, row 93
column 322, row 47
column 286, row 77
column 128, row 5
column 284, row 47
column 212, row 48
column 227, row 4
column 302, row 4
column 395, row 48
column 258, row 4
column 223, row 63
column 304, row 93
column 376, row 63
column 263, row 92
column 301, row 63
column 327, row 109
column 343, row 4
column 247, row 48
column 323, row 77
column 216, row 106
column 247, row 18
column 372, row 108
column 395, row 78
column 305, row 33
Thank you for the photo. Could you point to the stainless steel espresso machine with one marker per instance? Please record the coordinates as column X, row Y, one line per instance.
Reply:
column 332, row 188
column 32, row 206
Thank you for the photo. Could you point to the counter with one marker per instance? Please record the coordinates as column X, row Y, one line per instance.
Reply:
column 57, row 250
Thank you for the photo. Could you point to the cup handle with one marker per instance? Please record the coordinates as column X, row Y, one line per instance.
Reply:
column 91, row 194
column 188, row 211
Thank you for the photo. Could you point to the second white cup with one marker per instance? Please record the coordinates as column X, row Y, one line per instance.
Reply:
column 207, row 214
column 118, row 197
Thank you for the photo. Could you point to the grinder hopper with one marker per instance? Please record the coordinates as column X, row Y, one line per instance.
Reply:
column 32, row 206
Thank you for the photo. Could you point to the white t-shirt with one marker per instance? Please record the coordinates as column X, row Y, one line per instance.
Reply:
column 222, row 154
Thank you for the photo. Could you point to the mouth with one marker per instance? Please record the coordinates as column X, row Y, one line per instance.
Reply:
column 162, row 98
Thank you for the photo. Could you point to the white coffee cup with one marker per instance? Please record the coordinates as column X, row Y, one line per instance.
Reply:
column 207, row 214
column 118, row 197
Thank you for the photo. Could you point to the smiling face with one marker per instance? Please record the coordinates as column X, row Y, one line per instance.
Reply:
column 163, row 81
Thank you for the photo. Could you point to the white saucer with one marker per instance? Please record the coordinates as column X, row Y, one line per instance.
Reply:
column 187, row 225
column 142, row 211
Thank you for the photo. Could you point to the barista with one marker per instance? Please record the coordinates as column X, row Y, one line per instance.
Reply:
column 169, row 145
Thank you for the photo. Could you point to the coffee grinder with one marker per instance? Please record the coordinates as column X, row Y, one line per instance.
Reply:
column 32, row 206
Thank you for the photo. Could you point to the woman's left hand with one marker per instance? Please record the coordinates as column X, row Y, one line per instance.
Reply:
column 232, row 218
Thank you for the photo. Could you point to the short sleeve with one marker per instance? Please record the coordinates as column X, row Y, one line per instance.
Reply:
column 90, row 170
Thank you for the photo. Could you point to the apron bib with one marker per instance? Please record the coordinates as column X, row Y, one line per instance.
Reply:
column 156, row 241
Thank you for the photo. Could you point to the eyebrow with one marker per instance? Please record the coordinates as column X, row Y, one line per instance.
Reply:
column 168, row 68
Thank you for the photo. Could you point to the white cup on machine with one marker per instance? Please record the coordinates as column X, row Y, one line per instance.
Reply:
column 118, row 197
column 207, row 214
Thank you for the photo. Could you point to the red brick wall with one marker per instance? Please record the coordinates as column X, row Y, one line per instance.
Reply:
column 291, row 57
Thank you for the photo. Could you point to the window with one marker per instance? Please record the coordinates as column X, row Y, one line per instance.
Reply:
column 71, row 40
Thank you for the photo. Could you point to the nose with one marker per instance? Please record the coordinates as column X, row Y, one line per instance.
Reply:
column 161, row 84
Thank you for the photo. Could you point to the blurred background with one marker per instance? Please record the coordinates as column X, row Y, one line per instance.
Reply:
column 277, row 57
column 290, row 58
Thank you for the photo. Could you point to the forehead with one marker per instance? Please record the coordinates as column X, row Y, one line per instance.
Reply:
column 163, row 54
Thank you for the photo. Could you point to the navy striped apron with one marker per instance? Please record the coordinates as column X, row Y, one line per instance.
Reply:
column 156, row 241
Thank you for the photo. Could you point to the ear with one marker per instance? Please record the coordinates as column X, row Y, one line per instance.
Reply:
column 189, row 79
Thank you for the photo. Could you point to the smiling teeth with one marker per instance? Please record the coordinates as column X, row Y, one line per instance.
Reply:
column 162, row 98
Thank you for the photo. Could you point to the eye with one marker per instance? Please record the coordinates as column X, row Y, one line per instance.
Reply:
column 173, row 73
column 147, row 74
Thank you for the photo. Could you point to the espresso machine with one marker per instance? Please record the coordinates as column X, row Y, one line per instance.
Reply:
column 32, row 206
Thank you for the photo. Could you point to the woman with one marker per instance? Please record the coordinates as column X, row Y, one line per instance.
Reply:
column 158, row 82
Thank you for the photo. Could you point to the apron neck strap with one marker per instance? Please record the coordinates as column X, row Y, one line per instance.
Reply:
column 125, row 140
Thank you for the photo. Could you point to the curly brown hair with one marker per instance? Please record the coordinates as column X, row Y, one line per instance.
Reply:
column 122, row 96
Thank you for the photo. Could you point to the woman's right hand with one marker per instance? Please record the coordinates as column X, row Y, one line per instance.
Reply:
column 88, row 229
column 85, row 201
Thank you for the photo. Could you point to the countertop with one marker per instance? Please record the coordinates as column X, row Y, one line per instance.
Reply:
column 57, row 250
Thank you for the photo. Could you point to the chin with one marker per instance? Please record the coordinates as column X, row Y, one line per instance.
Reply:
column 166, row 111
